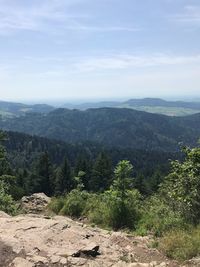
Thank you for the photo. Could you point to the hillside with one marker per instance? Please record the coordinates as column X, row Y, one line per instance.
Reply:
column 113, row 127
column 23, row 150
column 11, row 109
column 152, row 105
column 152, row 102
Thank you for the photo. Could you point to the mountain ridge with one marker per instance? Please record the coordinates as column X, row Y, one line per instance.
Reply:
column 112, row 127
column 12, row 109
column 152, row 105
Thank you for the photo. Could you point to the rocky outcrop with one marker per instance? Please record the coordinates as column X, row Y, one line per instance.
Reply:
column 4, row 215
column 38, row 241
column 35, row 203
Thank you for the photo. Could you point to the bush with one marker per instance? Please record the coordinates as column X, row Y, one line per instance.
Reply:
column 181, row 245
column 182, row 186
column 96, row 210
column 117, row 208
column 75, row 203
column 7, row 204
column 108, row 210
column 158, row 218
column 56, row 204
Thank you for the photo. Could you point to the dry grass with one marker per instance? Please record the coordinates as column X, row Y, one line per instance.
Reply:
column 181, row 245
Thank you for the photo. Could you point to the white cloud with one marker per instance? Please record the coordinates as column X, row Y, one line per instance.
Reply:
column 30, row 17
column 53, row 66
column 190, row 15
column 131, row 61
column 152, row 75
column 88, row 28
column 44, row 16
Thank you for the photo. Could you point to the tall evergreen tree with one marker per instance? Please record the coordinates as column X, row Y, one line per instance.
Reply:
column 64, row 182
column 83, row 164
column 44, row 172
column 101, row 173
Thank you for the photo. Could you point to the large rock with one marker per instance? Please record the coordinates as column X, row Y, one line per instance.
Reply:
column 35, row 203
column 41, row 241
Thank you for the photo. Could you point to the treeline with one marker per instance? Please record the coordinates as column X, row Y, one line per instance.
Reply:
column 59, row 179
column 28, row 155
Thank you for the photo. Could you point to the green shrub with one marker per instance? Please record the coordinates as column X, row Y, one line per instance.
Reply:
column 75, row 203
column 7, row 204
column 158, row 218
column 118, row 207
column 181, row 187
column 181, row 245
column 57, row 204
column 96, row 210
column 108, row 210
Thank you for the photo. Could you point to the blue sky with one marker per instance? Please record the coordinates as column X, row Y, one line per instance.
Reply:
column 87, row 49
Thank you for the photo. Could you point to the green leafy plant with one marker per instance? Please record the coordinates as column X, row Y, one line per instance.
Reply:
column 157, row 217
column 181, row 187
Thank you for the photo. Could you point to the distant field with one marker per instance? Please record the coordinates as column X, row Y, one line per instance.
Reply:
column 169, row 111
column 5, row 114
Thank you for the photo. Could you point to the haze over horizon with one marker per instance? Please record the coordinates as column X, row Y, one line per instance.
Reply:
column 98, row 50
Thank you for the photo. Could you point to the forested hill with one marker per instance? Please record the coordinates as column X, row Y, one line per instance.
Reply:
column 112, row 127
column 11, row 109
column 152, row 102
column 24, row 149
column 152, row 105
column 140, row 102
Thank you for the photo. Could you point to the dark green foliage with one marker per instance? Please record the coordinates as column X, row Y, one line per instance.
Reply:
column 6, row 201
column 40, row 178
column 83, row 164
column 24, row 154
column 24, row 151
column 64, row 182
column 44, row 174
column 124, row 128
column 182, row 186
column 6, row 183
column 118, row 207
column 123, row 181
column 157, row 217
column 120, row 197
column 115, row 208
column 151, row 185
column 101, row 173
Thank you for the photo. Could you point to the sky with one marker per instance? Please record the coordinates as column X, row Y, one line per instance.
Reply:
column 99, row 49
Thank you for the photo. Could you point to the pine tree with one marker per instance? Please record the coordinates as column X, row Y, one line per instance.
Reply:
column 101, row 173
column 44, row 173
column 64, row 182
column 84, row 164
